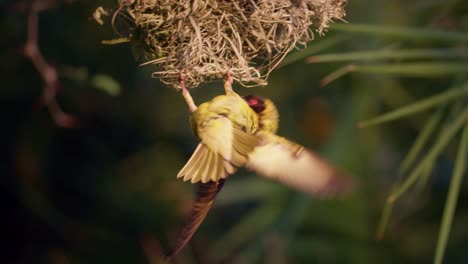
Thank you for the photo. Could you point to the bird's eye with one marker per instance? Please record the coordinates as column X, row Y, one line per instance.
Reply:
column 257, row 103
column 253, row 102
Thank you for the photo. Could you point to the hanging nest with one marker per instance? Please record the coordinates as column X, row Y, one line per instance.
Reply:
column 202, row 39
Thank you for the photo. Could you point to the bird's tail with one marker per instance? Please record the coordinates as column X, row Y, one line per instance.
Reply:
column 206, row 193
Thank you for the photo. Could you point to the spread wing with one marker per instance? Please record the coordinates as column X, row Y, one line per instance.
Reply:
column 284, row 161
column 205, row 196
column 205, row 166
column 216, row 134
column 243, row 144
column 222, row 149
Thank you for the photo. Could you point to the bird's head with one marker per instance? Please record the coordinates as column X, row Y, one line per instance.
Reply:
column 257, row 103
column 266, row 111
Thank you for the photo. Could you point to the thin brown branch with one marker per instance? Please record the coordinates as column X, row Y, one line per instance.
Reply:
column 47, row 71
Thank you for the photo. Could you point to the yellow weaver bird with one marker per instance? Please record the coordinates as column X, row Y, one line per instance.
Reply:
column 226, row 128
column 237, row 131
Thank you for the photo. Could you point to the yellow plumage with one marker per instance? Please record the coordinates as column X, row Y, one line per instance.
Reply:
column 226, row 127
column 239, row 131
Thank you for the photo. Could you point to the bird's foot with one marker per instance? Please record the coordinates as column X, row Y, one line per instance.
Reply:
column 185, row 93
column 228, row 80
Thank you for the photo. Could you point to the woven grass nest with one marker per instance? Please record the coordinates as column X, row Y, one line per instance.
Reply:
column 203, row 39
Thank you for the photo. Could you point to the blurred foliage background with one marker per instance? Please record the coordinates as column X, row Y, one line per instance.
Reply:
column 105, row 191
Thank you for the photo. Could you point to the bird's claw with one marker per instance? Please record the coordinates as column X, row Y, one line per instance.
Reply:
column 185, row 93
column 228, row 80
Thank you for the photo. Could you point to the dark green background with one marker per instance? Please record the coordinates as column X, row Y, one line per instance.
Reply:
column 105, row 190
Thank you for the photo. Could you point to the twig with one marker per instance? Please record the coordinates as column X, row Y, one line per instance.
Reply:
column 47, row 71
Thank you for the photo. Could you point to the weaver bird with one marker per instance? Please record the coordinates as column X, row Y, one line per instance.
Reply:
column 241, row 131
column 226, row 128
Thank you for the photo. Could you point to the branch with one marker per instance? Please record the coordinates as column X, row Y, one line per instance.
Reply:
column 47, row 71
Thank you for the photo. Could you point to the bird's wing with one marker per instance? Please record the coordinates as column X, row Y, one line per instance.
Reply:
column 205, row 196
column 216, row 133
column 243, row 144
column 284, row 161
column 205, row 166
column 221, row 136
column 222, row 149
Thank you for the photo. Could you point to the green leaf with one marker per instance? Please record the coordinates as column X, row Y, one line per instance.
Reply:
column 405, row 33
column 416, row 69
column 313, row 49
column 383, row 222
column 420, row 141
column 445, row 137
column 115, row 41
column 337, row 74
column 375, row 55
column 106, row 84
column 451, row 202
column 410, row 157
column 419, row 106
column 424, row 177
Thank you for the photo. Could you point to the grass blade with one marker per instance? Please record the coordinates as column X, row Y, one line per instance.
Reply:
column 389, row 54
column 419, row 106
column 416, row 69
column 406, row 163
column 313, row 49
column 337, row 74
column 424, row 177
column 445, row 137
column 451, row 203
column 115, row 41
column 383, row 222
column 420, row 141
column 405, row 33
